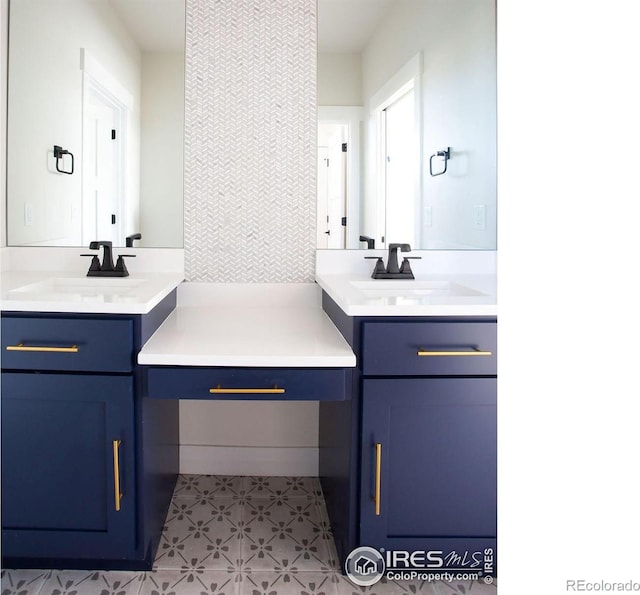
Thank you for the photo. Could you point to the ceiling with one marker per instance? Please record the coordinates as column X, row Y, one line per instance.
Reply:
column 344, row 26
column 156, row 25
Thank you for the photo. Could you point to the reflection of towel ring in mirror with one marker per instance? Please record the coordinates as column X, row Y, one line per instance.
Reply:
column 58, row 154
column 446, row 154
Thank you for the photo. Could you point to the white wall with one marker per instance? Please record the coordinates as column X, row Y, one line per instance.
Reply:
column 339, row 79
column 249, row 437
column 46, row 79
column 457, row 42
column 4, row 47
column 162, row 154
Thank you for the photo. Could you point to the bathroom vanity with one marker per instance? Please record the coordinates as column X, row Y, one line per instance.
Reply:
column 405, row 377
column 409, row 461
column 412, row 463
column 90, row 444
column 88, row 464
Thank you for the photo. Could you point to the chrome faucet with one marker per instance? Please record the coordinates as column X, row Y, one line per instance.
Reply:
column 392, row 270
column 107, row 268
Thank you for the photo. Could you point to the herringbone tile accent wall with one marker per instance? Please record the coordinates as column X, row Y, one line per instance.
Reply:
column 250, row 140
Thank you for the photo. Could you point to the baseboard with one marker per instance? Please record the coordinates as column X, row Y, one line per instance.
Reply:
column 241, row 460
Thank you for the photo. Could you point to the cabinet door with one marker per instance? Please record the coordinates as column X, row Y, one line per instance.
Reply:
column 435, row 466
column 67, row 441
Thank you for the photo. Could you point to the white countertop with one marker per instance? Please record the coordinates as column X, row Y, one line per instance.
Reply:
column 452, row 295
column 248, row 325
column 66, row 291
column 447, row 283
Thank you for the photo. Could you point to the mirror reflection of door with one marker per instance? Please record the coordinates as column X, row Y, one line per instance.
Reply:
column 332, row 185
column 106, row 106
column 102, row 216
column 400, row 170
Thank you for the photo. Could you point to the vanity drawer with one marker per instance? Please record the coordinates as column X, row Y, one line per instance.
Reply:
column 429, row 348
column 68, row 344
column 263, row 384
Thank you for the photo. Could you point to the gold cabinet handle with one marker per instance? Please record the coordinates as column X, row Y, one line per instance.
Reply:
column 43, row 349
column 474, row 351
column 246, row 391
column 376, row 493
column 116, row 473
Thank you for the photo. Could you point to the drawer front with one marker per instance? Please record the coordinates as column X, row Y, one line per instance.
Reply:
column 67, row 344
column 264, row 384
column 429, row 348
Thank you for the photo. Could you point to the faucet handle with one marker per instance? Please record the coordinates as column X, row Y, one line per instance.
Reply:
column 405, row 268
column 379, row 268
column 121, row 267
column 95, row 263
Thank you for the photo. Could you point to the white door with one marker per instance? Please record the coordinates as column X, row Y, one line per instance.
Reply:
column 102, row 216
column 401, row 175
column 332, row 186
column 322, row 226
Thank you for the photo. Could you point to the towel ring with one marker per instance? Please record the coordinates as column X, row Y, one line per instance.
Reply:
column 58, row 154
column 446, row 154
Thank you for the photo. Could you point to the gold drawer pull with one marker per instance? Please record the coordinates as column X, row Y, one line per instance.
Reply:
column 376, row 494
column 21, row 347
column 116, row 473
column 247, row 391
column 475, row 351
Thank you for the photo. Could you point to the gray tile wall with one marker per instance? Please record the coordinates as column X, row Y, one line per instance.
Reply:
column 250, row 140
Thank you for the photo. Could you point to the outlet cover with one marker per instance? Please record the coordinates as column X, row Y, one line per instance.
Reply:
column 480, row 217
column 28, row 214
column 428, row 216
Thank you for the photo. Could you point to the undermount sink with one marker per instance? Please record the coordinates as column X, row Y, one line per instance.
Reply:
column 80, row 288
column 411, row 287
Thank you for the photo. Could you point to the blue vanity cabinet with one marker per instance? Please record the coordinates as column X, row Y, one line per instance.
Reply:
column 428, row 478
column 68, row 465
column 88, row 463
column 409, row 463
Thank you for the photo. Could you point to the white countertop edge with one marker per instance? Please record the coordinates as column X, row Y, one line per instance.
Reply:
column 57, row 308
column 247, row 361
column 432, row 310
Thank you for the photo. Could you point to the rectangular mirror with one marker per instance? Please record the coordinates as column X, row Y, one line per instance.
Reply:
column 407, row 124
column 95, row 127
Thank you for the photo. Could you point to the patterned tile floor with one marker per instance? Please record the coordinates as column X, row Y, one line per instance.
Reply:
column 234, row 536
